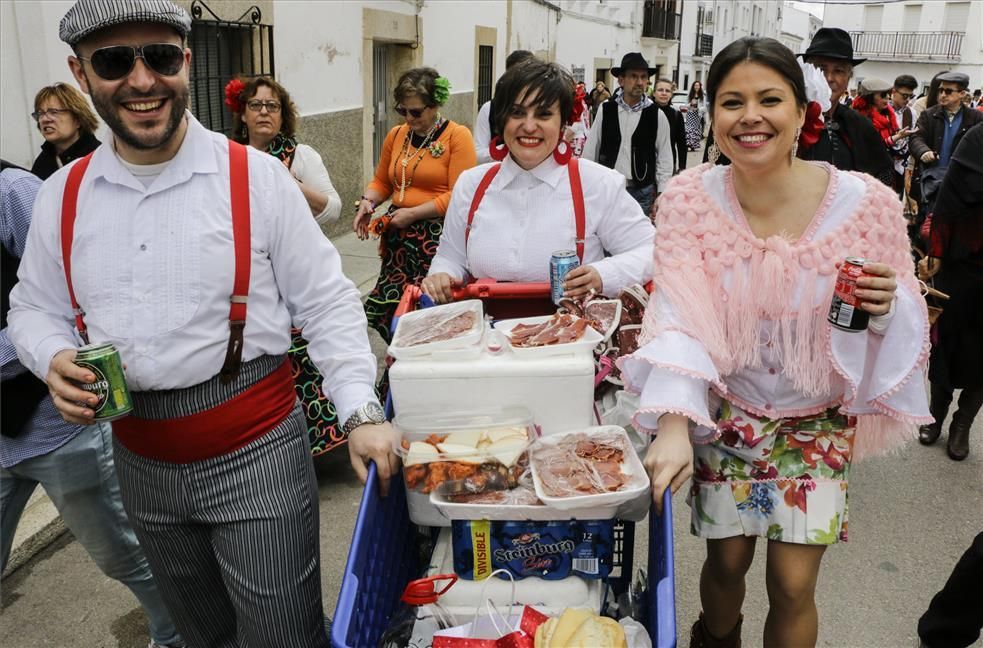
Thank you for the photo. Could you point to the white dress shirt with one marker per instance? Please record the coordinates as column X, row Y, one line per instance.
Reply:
column 309, row 169
column 628, row 121
column 153, row 270
column 525, row 216
column 482, row 133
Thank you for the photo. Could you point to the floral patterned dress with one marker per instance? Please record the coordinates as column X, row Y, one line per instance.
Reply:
column 783, row 479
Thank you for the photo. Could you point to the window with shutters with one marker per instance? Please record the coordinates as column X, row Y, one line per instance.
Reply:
column 912, row 17
column 956, row 16
column 486, row 57
column 223, row 49
column 873, row 16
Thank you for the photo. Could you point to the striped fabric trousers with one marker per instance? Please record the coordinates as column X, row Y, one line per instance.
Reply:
column 232, row 540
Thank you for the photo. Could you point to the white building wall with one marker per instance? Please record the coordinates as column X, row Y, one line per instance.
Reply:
column 31, row 56
column 852, row 18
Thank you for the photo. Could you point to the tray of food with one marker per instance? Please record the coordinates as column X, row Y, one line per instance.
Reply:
column 592, row 470
column 462, row 454
column 451, row 327
column 559, row 334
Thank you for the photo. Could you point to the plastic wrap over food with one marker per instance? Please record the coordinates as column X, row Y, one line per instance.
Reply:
column 590, row 468
column 451, row 326
column 582, row 465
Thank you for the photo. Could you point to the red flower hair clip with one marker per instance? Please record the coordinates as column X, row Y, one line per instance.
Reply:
column 813, row 125
column 233, row 89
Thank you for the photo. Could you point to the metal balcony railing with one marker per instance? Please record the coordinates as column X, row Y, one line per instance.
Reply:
column 659, row 23
column 704, row 45
column 908, row 45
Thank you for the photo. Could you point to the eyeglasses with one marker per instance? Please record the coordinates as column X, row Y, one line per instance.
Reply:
column 885, row 95
column 905, row 95
column 256, row 105
column 115, row 62
column 50, row 112
column 415, row 112
column 946, row 91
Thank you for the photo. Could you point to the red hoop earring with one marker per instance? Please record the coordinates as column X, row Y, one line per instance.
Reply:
column 497, row 149
column 564, row 156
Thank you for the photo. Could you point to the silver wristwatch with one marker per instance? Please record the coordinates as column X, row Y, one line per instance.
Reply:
column 370, row 412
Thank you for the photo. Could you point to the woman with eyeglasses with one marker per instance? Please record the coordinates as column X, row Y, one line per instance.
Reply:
column 874, row 103
column 420, row 162
column 265, row 118
column 68, row 126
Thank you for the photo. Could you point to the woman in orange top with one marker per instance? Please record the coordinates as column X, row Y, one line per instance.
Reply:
column 420, row 163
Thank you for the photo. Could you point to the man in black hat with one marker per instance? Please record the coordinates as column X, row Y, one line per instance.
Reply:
column 632, row 135
column 849, row 141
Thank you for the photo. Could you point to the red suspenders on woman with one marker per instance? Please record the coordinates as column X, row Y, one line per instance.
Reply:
column 576, row 192
column 239, row 196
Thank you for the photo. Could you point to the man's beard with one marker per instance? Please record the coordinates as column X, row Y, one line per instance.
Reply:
column 109, row 109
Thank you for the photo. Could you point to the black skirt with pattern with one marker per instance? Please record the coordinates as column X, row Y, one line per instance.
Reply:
column 406, row 256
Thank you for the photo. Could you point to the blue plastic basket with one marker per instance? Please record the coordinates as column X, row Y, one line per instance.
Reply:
column 383, row 559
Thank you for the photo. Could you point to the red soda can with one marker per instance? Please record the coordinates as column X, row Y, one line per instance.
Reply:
column 844, row 311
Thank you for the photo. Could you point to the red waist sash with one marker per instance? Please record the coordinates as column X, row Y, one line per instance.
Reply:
column 216, row 431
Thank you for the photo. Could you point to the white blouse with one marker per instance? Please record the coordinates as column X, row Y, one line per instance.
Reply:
column 673, row 372
column 525, row 216
column 309, row 169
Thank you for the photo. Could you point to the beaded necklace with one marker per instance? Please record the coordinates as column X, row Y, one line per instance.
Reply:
column 406, row 154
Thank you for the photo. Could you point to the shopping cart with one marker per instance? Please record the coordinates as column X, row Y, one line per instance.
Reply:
column 384, row 556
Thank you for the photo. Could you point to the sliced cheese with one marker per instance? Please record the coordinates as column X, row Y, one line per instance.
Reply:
column 462, row 453
column 569, row 622
column 465, row 438
column 498, row 434
column 420, row 452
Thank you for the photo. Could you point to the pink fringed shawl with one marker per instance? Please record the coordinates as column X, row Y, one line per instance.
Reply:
column 718, row 274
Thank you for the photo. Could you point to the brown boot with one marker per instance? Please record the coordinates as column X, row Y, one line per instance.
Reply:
column 970, row 402
column 939, row 408
column 700, row 637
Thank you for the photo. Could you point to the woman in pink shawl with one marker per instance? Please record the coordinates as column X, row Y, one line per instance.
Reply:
column 742, row 380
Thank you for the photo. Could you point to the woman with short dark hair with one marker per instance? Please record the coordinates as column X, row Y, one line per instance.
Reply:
column 536, row 199
column 742, row 379
column 420, row 163
column 67, row 125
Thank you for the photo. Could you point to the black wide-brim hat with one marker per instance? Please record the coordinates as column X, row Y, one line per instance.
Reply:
column 633, row 61
column 833, row 43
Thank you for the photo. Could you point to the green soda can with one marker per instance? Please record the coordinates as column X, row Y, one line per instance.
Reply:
column 110, row 386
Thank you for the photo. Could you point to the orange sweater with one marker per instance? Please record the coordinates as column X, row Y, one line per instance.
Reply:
column 434, row 177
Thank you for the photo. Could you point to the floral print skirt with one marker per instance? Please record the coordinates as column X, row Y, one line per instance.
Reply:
column 781, row 479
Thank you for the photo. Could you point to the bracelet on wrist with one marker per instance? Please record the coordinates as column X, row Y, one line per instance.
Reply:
column 371, row 202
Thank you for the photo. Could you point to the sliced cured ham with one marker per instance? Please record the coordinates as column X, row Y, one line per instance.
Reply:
column 562, row 328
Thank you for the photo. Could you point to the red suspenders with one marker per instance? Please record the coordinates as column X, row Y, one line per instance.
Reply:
column 239, row 186
column 576, row 191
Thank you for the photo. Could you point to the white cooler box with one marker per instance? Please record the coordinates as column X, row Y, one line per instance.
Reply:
column 557, row 389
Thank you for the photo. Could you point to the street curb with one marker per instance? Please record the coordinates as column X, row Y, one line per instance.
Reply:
column 34, row 544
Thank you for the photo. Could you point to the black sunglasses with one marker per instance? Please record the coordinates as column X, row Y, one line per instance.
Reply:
column 415, row 112
column 115, row 62
column 906, row 95
column 946, row 91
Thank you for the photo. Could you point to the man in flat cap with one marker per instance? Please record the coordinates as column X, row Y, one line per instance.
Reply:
column 172, row 233
column 941, row 127
column 849, row 141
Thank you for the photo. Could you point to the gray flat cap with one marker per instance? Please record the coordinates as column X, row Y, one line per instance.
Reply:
column 873, row 85
column 958, row 78
column 88, row 16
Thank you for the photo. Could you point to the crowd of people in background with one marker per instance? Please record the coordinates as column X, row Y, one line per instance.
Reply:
column 448, row 204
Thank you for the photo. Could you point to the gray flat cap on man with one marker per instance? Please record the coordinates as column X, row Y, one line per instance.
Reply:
column 959, row 78
column 88, row 16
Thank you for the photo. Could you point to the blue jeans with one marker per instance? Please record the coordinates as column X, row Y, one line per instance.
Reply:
column 80, row 479
column 644, row 197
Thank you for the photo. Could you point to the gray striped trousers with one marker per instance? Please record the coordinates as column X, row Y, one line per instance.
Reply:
column 232, row 540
